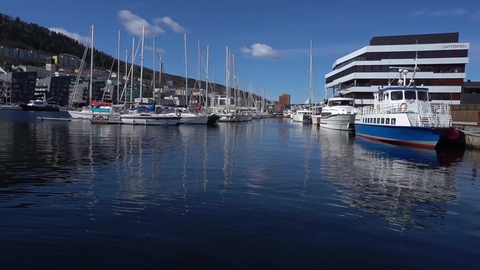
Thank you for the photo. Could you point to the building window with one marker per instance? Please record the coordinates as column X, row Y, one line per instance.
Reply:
column 394, row 121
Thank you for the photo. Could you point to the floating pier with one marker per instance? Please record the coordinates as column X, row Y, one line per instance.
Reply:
column 54, row 119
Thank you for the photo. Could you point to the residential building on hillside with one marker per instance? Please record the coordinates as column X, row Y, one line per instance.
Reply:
column 17, row 87
column 54, row 89
column 441, row 62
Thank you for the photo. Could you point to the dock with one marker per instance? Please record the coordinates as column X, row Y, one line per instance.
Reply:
column 104, row 121
column 54, row 119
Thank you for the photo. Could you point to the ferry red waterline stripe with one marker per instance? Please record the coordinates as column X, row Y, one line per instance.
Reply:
column 400, row 143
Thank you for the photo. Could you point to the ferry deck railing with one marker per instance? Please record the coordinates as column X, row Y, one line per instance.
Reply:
column 423, row 114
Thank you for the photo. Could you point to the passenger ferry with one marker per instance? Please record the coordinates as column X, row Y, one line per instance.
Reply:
column 404, row 115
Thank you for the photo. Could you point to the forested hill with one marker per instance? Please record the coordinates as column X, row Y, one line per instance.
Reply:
column 16, row 33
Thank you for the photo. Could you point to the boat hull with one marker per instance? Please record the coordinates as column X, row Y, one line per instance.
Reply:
column 420, row 137
column 151, row 120
column 26, row 107
column 230, row 119
column 194, row 120
column 302, row 118
column 343, row 122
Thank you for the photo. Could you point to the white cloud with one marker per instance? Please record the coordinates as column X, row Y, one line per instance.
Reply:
column 454, row 12
column 476, row 16
column 75, row 36
column 176, row 27
column 159, row 50
column 260, row 50
column 441, row 13
column 133, row 24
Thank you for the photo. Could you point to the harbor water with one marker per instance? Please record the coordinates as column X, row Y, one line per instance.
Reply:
column 267, row 194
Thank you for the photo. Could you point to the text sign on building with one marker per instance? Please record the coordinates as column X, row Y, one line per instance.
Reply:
column 454, row 46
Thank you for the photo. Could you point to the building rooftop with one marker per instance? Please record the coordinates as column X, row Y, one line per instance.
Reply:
column 413, row 39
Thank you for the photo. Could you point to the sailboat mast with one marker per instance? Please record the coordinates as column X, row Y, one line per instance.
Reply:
column 235, row 89
column 206, row 77
column 186, row 69
column 310, row 87
column 141, row 64
column 133, row 69
column 154, row 64
column 118, row 66
column 227, row 79
column 160, row 72
column 126, row 76
column 199, row 68
column 90, row 94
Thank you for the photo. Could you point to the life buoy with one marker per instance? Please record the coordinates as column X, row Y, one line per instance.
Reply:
column 403, row 107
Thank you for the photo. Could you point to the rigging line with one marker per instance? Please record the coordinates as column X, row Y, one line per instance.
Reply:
column 301, row 85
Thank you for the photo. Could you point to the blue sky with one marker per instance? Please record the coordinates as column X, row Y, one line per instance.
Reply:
column 285, row 27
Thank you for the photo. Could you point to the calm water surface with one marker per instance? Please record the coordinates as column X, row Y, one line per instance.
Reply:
column 269, row 194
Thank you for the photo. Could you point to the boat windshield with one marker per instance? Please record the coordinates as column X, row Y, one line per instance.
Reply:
column 340, row 103
column 423, row 96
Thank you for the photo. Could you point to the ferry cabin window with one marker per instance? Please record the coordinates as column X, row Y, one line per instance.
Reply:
column 422, row 96
column 387, row 121
column 412, row 95
column 374, row 120
column 396, row 95
column 383, row 121
column 340, row 103
column 394, row 121
column 378, row 120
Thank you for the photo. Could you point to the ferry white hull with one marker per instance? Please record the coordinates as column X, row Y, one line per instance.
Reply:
column 344, row 122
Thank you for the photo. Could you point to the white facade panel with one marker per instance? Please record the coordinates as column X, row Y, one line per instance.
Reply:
column 366, row 102
column 402, row 62
column 403, row 48
column 431, row 89
column 392, row 75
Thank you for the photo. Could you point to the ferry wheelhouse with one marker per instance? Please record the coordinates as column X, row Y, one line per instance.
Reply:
column 404, row 115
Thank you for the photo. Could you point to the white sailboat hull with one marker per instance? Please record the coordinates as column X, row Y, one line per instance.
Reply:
column 229, row 118
column 150, row 120
column 344, row 122
column 194, row 119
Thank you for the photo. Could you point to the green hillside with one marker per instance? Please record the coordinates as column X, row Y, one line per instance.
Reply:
column 19, row 34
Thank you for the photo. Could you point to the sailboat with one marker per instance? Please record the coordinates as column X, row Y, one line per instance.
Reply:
column 148, row 115
column 102, row 108
column 305, row 115
column 188, row 116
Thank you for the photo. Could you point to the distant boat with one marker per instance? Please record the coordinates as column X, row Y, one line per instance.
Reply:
column 40, row 105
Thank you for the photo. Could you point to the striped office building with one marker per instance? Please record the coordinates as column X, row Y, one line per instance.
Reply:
column 441, row 62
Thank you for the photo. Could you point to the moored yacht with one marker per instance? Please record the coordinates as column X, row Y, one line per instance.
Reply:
column 40, row 105
column 339, row 114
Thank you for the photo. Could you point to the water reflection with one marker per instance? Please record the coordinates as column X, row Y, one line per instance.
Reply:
column 404, row 186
